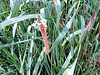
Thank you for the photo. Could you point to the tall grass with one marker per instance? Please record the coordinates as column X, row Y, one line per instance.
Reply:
column 72, row 28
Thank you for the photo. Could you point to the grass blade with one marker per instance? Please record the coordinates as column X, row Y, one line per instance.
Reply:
column 70, row 10
column 16, row 19
column 38, row 62
column 58, row 5
column 71, row 35
column 63, row 33
column 71, row 68
column 16, row 8
column 30, row 57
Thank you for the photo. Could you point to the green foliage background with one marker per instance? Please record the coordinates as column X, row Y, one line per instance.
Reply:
column 73, row 51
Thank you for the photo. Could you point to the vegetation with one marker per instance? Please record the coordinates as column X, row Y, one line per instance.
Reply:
column 73, row 33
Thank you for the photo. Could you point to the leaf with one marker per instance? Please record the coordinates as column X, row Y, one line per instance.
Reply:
column 68, row 60
column 1, row 69
column 15, row 8
column 38, row 62
column 71, row 35
column 71, row 55
column 82, row 25
column 15, row 26
column 82, row 22
column 58, row 5
column 70, row 69
column 65, row 1
column 25, row 45
column 15, row 20
column 12, row 3
column 14, row 29
column 40, row 69
column 37, row 0
column 14, row 43
column 70, row 10
column 64, row 31
column 65, row 63
column 42, row 13
column 30, row 56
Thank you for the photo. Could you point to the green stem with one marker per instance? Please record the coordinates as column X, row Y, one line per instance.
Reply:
column 56, row 14
column 52, row 63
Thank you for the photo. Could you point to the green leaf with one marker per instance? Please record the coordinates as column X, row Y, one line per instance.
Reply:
column 38, row 62
column 25, row 48
column 15, row 20
column 82, row 25
column 12, row 4
column 65, row 1
column 15, row 26
column 71, row 55
column 16, row 8
column 14, row 43
column 1, row 69
column 14, row 29
column 70, row 69
column 42, row 13
column 64, row 31
column 82, row 22
column 71, row 35
column 30, row 56
column 58, row 5
column 70, row 10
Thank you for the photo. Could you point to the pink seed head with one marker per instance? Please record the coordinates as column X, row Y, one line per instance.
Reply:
column 98, row 8
column 53, row 13
column 96, row 36
column 54, row 2
column 94, row 14
column 34, row 4
column 97, row 26
column 85, row 10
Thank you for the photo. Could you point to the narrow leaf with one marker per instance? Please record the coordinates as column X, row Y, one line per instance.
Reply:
column 63, row 33
column 70, row 69
column 38, row 62
column 16, row 19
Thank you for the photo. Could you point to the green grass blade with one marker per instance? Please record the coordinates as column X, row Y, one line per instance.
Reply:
column 14, row 29
column 16, row 8
column 26, row 38
column 12, row 4
column 70, row 54
column 63, row 33
column 15, row 26
column 42, row 13
column 66, row 63
column 71, row 68
column 16, row 19
column 70, row 10
column 82, row 22
column 65, row 1
column 82, row 25
column 35, row 71
column 40, row 69
column 30, row 57
column 71, row 35
column 58, row 6
column 14, row 43
column 1, row 69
